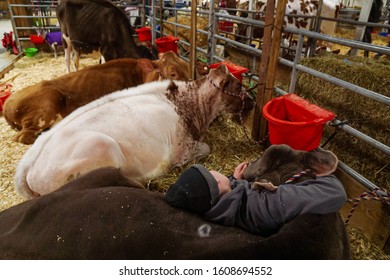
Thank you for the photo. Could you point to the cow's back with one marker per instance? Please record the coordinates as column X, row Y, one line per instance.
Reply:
column 104, row 216
column 93, row 82
column 97, row 25
column 134, row 129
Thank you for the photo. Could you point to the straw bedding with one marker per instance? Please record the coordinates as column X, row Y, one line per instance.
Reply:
column 229, row 142
column 366, row 115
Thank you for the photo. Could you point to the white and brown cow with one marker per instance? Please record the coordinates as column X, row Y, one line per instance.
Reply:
column 99, row 25
column 37, row 107
column 145, row 131
column 104, row 215
column 330, row 9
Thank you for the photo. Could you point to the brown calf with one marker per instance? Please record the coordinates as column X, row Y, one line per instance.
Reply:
column 37, row 107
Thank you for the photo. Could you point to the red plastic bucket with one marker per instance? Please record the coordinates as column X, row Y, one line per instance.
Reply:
column 167, row 44
column 36, row 39
column 294, row 121
column 3, row 98
column 236, row 70
column 144, row 34
column 226, row 26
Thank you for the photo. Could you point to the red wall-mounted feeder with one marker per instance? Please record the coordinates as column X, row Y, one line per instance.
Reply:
column 166, row 44
column 294, row 121
column 144, row 34
column 236, row 70
column 36, row 39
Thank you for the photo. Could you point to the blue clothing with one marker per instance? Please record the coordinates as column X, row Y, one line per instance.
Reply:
column 54, row 37
column 264, row 212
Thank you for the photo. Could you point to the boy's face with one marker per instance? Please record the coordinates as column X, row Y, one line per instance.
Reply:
column 223, row 182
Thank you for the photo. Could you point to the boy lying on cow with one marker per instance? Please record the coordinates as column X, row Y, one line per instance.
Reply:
column 264, row 205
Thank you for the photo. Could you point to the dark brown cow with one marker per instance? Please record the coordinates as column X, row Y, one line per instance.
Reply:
column 103, row 215
column 89, row 25
column 37, row 107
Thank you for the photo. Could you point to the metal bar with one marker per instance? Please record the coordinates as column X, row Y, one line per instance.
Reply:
column 210, row 37
column 374, row 143
column 362, row 91
column 297, row 59
column 364, row 181
column 14, row 28
column 35, row 16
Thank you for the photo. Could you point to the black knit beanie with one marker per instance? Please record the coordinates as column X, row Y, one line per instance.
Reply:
column 195, row 190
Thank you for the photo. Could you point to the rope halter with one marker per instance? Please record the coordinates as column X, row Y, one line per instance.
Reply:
column 378, row 195
column 241, row 95
column 296, row 176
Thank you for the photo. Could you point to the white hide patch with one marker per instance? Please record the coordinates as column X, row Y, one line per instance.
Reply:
column 41, row 123
column 204, row 230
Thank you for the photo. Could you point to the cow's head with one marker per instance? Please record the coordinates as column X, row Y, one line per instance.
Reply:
column 280, row 162
column 169, row 66
column 236, row 99
column 172, row 67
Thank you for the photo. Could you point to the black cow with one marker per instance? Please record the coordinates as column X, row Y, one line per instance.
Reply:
column 103, row 215
column 89, row 25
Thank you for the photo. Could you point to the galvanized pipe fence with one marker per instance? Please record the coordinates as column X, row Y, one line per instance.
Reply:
column 303, row 36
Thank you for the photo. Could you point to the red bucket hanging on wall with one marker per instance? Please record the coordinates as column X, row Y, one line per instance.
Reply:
column 236, row 70
column 167, row 44
column 294, row 121
column 144, row 34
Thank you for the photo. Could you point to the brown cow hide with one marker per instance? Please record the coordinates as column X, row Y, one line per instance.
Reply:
column 103, row 215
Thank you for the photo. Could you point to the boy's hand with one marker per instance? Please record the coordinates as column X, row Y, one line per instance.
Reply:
column 239, row 170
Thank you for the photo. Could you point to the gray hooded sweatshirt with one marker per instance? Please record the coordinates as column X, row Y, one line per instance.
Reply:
column 264, row 212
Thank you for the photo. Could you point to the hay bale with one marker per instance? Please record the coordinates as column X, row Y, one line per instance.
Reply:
column 184, row 33
column 369, row 116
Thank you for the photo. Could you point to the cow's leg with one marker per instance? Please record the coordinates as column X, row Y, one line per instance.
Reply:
column 27, row 135
column 32, row 126
column 67, row 49
column 102, row 60
column 54, row 48
column 95, row 151
column 40, row 117
column 76, row 59
column 199, row 151
column 202, row 150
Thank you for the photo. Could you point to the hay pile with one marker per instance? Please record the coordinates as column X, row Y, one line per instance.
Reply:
column 362, row 113
column 228, row 141
column 27, row 71
column 350, row 33
column 185, row 33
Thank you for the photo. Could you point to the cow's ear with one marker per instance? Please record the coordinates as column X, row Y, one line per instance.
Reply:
column 223, row 68
column 147, row 65
column 149, row 70
column 322, row 162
